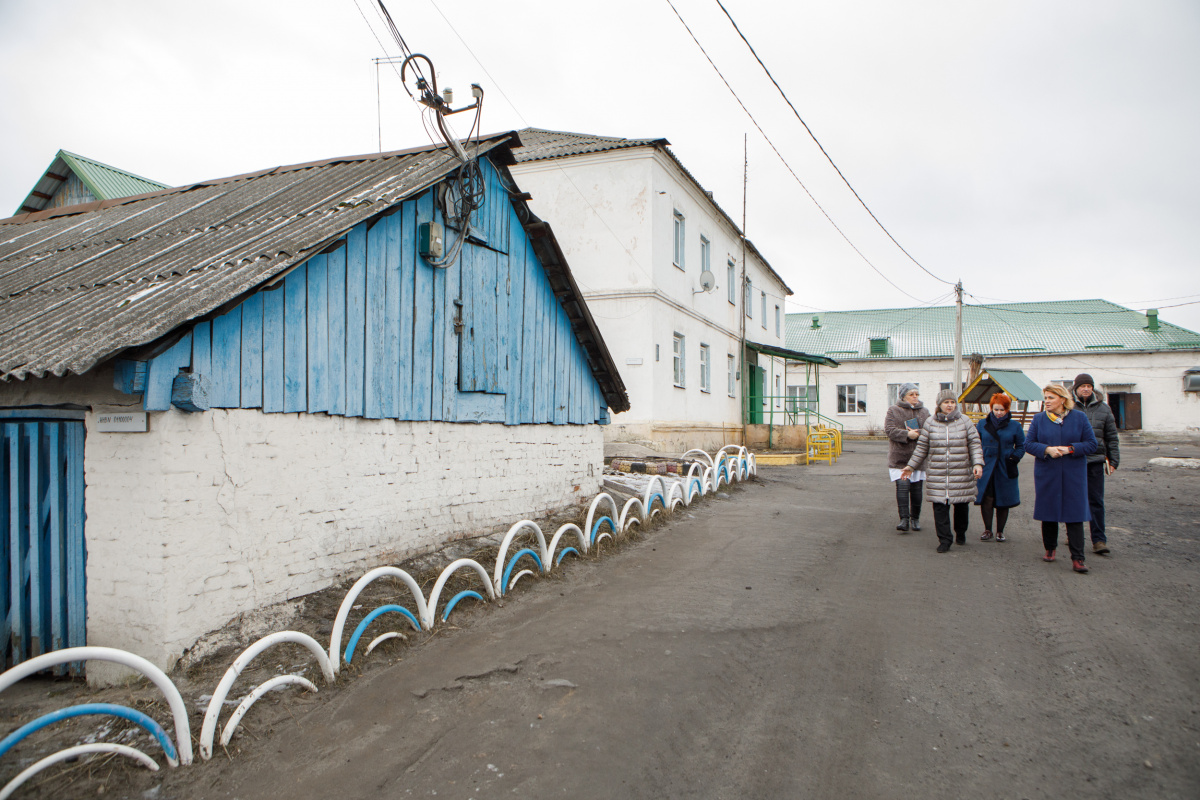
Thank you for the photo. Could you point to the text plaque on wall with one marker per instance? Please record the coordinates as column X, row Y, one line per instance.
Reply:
column 121, row 422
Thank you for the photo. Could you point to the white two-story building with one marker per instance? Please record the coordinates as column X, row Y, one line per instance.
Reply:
column 641, row 233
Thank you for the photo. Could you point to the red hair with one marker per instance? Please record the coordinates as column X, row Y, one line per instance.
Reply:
column 1000, row 399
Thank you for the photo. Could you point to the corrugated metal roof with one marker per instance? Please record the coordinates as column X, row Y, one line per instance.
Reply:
column 106, row 182
column 539, row 144
column 83, row 283
column 1011, row 329
column 79, row 284
column 103, row 181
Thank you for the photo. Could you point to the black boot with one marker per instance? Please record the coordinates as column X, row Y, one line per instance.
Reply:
column 916, row 493
column 902, row 490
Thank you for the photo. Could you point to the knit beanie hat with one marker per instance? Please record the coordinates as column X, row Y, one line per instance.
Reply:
column 906, row 388
column 1081, row 379
column 945, row 394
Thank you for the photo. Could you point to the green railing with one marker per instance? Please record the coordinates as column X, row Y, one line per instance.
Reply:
column 780, row 410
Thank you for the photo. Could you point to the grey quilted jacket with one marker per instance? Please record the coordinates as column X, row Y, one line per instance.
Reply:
column 948, row 447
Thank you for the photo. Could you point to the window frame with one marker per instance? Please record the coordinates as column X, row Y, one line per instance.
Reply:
column 732, row 362
column 679, row 368
column 705, row 254
column 731, row 274
column 764, row 310
column 778, row 322
column 679, row 243
column 748, row 299
column 844, row 398
column 705, row 368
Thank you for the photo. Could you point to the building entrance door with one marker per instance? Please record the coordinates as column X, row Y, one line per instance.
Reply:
column 42, row 551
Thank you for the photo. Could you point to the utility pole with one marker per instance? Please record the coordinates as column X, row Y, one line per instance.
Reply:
column 742, row 287
column 958, row 292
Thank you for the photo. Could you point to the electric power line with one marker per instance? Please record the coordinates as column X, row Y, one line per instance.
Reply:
column 763, row 133
column 828, row 158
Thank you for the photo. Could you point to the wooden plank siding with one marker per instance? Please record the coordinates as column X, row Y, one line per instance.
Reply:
column 368, row 328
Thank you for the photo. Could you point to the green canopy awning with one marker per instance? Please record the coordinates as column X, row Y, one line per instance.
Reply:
column 790, row 355
column 1012, row 382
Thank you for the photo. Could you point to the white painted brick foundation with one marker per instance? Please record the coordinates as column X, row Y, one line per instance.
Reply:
column 210, row 515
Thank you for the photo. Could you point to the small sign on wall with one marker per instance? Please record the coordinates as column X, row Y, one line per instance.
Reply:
column 121, row 422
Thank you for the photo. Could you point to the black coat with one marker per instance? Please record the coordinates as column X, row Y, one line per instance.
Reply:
column 1104, row 425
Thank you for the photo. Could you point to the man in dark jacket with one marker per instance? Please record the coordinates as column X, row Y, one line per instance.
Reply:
column 1107, row 455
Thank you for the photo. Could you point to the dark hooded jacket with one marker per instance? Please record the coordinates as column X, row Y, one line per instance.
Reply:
column 1104, row 425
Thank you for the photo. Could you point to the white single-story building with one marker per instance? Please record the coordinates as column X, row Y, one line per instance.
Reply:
column 1139, row 361
column 222, row 396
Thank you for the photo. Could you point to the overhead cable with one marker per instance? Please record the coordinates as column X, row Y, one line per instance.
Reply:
column 784, row 160
column 828, row 158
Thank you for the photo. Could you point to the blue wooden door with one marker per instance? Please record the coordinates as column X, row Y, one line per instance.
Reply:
column 42, row 551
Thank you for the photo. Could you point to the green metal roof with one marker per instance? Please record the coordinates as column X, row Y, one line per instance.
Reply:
column 1010, row 329
column 106, row 182
column 103, row 181
column 790, row 355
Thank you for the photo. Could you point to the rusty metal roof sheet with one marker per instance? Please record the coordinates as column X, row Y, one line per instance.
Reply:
column 81, row 283
column 538, row 144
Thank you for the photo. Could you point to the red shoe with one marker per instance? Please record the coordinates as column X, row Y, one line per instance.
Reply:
column 1079, row 566
column 1049, row 556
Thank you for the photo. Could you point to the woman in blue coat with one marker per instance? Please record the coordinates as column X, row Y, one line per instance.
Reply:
column 1061, row 438
column 1003, row 443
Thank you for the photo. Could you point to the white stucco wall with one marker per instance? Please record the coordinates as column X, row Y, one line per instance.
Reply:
column 613, row 214
column 210, row 515
column 1158, row 377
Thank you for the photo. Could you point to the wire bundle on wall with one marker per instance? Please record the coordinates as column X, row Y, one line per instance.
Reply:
column 466, row 194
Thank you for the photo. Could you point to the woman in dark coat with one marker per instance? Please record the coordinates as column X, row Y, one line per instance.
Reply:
column 1061, row 439
column 1003, row 443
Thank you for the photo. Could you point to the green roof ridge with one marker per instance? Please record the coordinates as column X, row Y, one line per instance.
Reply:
column 105, row 181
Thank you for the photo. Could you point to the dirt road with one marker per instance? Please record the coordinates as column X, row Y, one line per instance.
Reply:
column 787, row 643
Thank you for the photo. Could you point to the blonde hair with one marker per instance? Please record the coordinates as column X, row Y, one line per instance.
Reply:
column 1054, row 388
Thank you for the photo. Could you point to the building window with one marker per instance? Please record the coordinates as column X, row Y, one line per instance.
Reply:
column 802, row 398
column 679, row 240
column 777, row 392
column 894, row 392
column 732, row 376
column 705, row 369
column 852, row 399
column 731, row 281
column 679, row 360
column 778, row 322
column 746, row 301
column 705, row 257
column 764, row 310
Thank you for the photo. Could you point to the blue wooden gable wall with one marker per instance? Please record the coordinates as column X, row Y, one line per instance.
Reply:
column 370, row 329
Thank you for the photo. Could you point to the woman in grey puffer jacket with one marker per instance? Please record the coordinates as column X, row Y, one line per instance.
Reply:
column 952, row 456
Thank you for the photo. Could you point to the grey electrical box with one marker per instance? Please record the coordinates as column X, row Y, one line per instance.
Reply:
column 430, row 240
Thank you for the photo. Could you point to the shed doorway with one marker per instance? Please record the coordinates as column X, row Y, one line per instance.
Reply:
column 42, row 551
column 1127, row 408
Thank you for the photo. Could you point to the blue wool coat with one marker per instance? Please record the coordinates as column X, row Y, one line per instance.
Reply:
column 1060, row 484
column 995, row 453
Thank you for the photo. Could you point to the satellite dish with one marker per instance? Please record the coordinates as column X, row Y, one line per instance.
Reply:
column 708, row 281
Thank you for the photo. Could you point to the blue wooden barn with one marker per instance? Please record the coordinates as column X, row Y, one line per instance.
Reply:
column 244, row 388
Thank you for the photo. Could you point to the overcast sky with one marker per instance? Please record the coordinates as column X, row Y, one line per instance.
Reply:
column 1036, row 150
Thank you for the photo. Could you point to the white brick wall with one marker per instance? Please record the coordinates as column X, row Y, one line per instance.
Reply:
column 210, row 515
